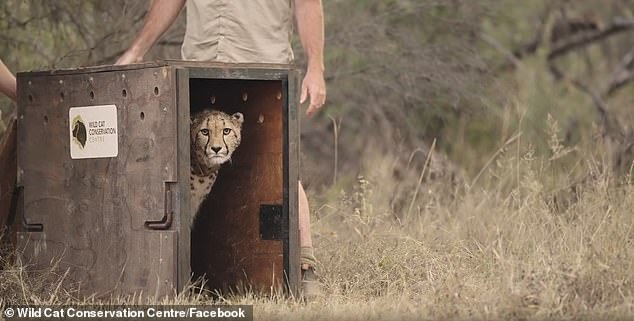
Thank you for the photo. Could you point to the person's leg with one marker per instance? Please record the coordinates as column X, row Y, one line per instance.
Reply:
column 307, row 256
column 310, row 281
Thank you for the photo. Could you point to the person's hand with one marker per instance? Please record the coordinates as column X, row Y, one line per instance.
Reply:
column 314, row 86
column 7, row 82
column 129, row 57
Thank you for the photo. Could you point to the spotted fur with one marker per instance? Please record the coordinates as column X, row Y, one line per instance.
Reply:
column 214, row 137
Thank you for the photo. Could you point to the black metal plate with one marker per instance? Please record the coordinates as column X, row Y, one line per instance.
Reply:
column 270, row 222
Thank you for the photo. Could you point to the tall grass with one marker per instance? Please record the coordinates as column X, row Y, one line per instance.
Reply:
column 519, row 244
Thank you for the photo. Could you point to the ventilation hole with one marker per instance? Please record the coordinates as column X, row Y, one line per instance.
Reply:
column 213, row 100
column 124, row 93
column 142, row 115
column 245, row 96
column 45, row 119
column 156, row 91
column 92, row 94
column 61, row 96
column 30, row 98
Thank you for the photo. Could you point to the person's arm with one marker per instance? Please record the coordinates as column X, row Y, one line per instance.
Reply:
column 310, row 25
column 161, row 16
column 7, row 82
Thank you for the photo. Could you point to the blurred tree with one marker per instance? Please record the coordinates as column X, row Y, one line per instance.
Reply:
column 400, row 73
column 38, row 34
column 591, row 49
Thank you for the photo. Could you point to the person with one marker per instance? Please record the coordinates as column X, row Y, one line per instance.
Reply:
column 249, row 31
column 7, row 82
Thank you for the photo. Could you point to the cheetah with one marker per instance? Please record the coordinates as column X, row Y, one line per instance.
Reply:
column 215, row 135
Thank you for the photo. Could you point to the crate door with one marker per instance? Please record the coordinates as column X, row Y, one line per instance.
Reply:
column 97, row 164
column 241, row 236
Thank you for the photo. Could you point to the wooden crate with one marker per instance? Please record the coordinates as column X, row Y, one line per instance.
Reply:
column 119, row 222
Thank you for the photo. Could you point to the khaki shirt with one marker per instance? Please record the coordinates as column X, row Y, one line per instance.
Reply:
column 240, row 31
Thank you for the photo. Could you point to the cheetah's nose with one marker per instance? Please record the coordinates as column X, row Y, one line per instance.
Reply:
column 216, row 149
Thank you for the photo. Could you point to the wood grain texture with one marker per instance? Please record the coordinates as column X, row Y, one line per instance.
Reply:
column 8, row 177
column 226, row 244
column 93, row 210
column 290, row 98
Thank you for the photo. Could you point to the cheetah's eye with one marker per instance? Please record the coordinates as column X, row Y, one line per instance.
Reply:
column 226, row 131
column 205, row 131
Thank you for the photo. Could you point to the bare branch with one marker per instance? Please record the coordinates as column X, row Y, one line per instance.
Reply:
column 625, row 78
column 610, row 125
column 616, row 26
column 511, row 56
column 515, row 56
column 621, row 75
column 532, row 46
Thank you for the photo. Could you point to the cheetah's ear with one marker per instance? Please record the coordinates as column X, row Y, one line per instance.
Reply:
column 239, row 117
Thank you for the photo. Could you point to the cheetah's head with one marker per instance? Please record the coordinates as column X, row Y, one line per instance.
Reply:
column 215, row 136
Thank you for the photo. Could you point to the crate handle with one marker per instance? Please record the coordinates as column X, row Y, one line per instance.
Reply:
column 17, row 205
column 166, row 221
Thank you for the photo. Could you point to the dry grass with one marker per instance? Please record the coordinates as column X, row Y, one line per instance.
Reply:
column 499, row 251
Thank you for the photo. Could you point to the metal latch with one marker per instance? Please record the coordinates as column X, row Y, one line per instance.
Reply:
column 166, row 222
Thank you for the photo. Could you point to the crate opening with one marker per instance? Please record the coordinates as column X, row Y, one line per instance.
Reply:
column 234, row 239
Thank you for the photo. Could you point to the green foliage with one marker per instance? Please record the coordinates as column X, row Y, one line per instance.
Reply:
column 400, row 73
column 539, row 231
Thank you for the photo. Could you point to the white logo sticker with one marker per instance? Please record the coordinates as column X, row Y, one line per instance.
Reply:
column 93, row 132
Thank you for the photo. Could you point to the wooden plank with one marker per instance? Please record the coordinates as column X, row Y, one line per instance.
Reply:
column 292, row 165
column 240, row 67
column 96, row 209
column 150, row 272
column 92, row 69
column 242, row 73
column 8, row 176
column 158, row 63
column 183, row 214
